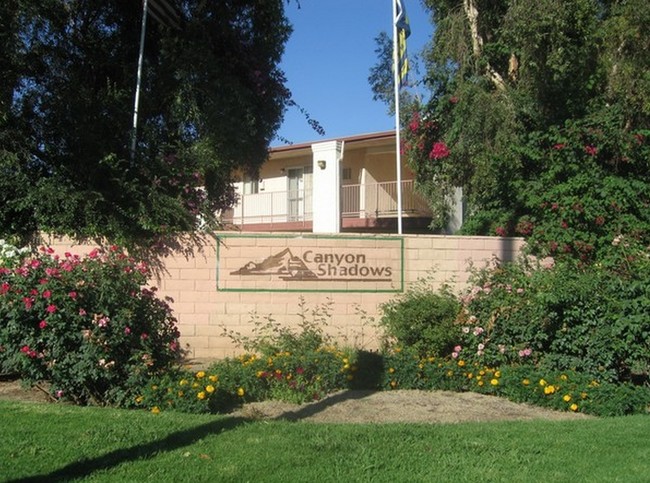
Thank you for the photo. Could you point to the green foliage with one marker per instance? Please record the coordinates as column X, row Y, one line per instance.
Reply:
column 542, row 110
column 211, row 101
column 591, row 319
column 422, row 320
column 85, row 325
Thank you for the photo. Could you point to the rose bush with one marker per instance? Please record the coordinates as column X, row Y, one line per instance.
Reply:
column 85, row 325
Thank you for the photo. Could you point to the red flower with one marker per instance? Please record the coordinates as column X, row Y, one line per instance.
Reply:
column 559, row 146
column 453, row 100
column 5, row 287
column 72, row 295
column 439, row 151
column 42, row 324
column 47, row 294
column 500, row 231
column 28, row 302
column 51, row 309
column 591, row 150
column 600, row 220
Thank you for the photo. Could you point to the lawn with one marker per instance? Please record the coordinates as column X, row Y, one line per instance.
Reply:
column 40, row 442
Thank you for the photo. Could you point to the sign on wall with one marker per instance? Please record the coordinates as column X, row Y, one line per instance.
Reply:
column 314, row 263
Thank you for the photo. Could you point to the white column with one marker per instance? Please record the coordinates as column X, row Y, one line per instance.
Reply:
column 327, row 186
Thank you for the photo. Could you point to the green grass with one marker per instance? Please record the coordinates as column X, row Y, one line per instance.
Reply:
column 41, row 442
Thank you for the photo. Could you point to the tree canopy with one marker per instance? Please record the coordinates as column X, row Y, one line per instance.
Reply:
column 539, row 109
column 212, row 99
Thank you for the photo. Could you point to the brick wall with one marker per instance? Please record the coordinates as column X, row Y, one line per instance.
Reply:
column 222, row 284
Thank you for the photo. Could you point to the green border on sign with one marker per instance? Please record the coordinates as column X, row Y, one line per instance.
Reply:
column 400, row 239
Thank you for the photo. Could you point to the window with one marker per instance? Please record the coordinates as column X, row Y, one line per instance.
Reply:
column 251, row 186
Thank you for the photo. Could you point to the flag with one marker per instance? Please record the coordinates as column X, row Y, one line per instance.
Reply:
column 164, row 13
column 403, row 31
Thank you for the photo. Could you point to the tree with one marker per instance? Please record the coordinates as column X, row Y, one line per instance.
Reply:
column 539, row 110
column 212, row 99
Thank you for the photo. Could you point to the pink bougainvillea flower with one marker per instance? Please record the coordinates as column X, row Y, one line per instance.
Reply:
column 51, row 309
column 591, row 150
column 439, row 151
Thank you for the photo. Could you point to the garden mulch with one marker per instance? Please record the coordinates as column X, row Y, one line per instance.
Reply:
column 398, row 406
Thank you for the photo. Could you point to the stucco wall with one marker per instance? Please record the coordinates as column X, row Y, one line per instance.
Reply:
column 216, row 286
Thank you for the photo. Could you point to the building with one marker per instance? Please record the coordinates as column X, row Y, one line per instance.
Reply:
column 341, row 185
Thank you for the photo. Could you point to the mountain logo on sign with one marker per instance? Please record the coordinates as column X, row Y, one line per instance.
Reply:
column 284, row 264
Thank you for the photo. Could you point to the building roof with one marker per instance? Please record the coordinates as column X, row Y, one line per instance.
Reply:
column 359, row 138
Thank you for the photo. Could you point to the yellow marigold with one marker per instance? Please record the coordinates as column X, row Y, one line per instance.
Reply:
column 482, row 373
column 345, row 360
column 181, row 394
column 154, row 388
column 583, row 395
column 195, row 385
column 450, row 373
column 241, row 392
column 421, row 366
column 182, row 382
column 494, row 382
column 209, row 389
column 461, row 363
column 564, row 377
column 566, row 398
column 200, row 374
column 542, row 382
column 213, row 378
column 480, row 382
column 497, row 374
column 549, row 389
column 393, row 384
column 155, row 410
column 526, row 382
column 139, row 399
column 391, row 370
column 346, row 366
column 470, row 375
column 573, row 407
column 201, row 395
column 260, row 373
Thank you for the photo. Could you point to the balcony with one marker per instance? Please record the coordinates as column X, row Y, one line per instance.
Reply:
column 362, row 205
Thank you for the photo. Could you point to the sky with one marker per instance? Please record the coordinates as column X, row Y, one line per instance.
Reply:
column 327, row 62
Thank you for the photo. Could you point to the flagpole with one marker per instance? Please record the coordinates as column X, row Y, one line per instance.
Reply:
column 398, row 153
column 136, row 101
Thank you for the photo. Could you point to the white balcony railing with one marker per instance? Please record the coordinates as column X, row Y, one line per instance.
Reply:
column 377, row 200
column 372, row 200
column 271, row 207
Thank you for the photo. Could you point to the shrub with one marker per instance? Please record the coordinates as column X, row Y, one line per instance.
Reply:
column 85, row 325
column 422, row 320
column 592, row 319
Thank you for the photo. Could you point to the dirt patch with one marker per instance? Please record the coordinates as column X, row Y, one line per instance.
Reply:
column 401, row 406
